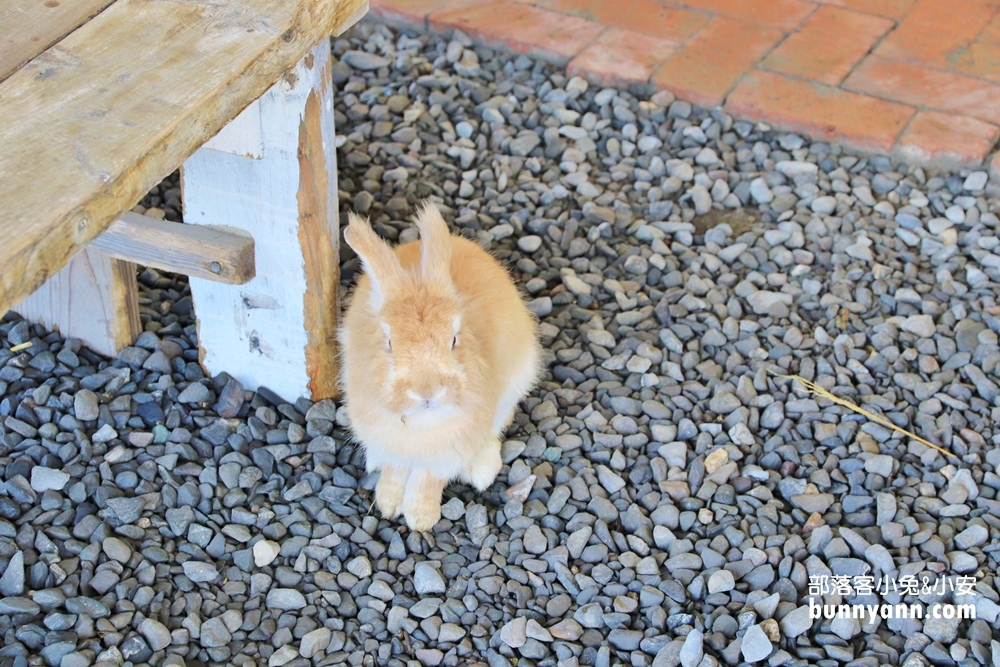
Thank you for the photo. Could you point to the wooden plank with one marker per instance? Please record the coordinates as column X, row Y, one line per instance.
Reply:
column 278, row 330
column 93, row 298
column 358, row 14
column 91, row 124
column 214, row 253
column 28, row 27
column 242, row 136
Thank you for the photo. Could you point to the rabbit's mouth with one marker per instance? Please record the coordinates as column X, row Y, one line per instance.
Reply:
column 428, row 409
column 429, row 413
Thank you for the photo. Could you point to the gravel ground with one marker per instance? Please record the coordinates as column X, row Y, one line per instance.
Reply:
column 664, row 501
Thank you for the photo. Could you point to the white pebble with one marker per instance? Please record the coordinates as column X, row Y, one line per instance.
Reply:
column 264, row 552
column 529, row 243
column 976, row 181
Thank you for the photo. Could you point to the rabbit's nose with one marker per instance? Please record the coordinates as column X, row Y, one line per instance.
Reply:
column 426, row 398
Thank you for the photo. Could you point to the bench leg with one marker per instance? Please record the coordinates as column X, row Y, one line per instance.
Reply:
column 273, row 173
column 93, row 298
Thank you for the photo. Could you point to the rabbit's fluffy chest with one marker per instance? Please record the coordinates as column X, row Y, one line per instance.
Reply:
column 439, row 445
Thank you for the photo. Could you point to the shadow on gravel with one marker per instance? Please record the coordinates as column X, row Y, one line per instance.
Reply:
column 740, row 220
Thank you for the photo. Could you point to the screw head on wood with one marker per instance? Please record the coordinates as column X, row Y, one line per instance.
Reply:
column 216, row 267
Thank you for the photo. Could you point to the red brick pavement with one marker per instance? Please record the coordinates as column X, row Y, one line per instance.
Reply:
column 916, row 78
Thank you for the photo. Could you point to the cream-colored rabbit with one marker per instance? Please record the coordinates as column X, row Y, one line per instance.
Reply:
column 438, row 349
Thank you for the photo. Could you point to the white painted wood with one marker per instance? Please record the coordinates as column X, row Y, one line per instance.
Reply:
column 243, row 136
column 94, row 298
column 278, row 329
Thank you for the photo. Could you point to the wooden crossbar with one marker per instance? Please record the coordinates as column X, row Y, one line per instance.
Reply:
column 222, row 254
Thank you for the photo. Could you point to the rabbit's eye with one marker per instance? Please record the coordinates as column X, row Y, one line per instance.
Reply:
column 388, row 344
column 454, row 342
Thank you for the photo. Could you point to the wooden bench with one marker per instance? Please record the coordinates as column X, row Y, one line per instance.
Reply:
column 102, row 99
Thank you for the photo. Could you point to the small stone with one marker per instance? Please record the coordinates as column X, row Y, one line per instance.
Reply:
column 721, row 581
column 530, row 243
column 944, row 630
column 12, row 581
column 974, row 535
column 364, row 61
column 567, row 629
column 764, row 302
column 285, row 599
column 315, row 642
column 264, row 552
column 536, row 631
column 514, row 633
column 741, row 434
column 813, row 502
column 601, row 337
column 18, row 605
column 845, row 627
column 625, row 640
column 534, row 541
column 692, row 651
column 975, row 181
column 955, row 213
column 880, row 464
column 134, row 649
column 230, row 400
column 701, row 199
column 85, row 405
column 716, row 459
column 920, row 325
column 427, row 579
column 575, row 285
column 156, row 634
column 195, row 392
column 214, row 633
column 47, row 479
column 283, row 656
column 200, row 572
column 760, row 192
column 126, row 510
column 796, row 622
column 756, row 645
column 117, row 550
column 611, row 481
column 824, row 205
column 524, row 144
column 797, row 170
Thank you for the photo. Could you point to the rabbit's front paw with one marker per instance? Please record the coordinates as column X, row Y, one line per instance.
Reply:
column 422, row 502
column 389, row 491
column 485, row 469
column 422, row 515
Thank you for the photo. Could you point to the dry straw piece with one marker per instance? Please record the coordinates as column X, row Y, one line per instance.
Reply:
column 820, row 391
column 22, row 346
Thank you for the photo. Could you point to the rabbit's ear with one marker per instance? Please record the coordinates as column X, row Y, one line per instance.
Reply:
column 435, row 244
column 379, row 260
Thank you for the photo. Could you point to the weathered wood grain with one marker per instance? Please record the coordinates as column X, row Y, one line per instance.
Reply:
column 214, row 253
column 358, row 14
column 28, row 27
column 277, row 330
column 91, row 124
column 93, row 298
column 319, row 234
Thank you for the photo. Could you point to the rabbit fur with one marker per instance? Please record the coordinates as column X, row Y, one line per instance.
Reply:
column 438, row 348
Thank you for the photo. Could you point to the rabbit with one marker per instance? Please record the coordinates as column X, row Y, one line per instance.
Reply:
column 438, row 348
